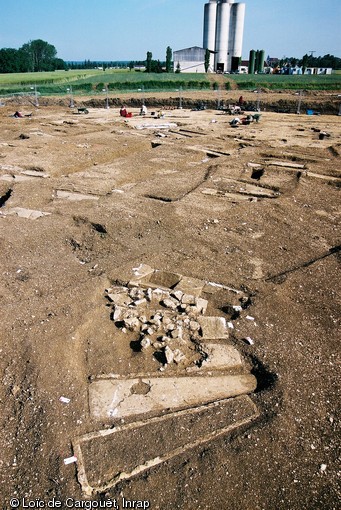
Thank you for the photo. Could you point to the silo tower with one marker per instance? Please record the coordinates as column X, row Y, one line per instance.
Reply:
column 223, row 32
column 210, row 18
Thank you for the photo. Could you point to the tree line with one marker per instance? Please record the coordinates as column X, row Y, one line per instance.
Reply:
column 311, row 61
column 34, row 56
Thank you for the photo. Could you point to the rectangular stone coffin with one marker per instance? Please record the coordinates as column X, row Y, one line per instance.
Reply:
column 108, row 456
column 121, row 398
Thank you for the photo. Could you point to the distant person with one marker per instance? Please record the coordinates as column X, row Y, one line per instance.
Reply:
column 234, row 122
column 123, row 111
column 143, row 110
column 18, row 115
column 241, row 101
column 247, row 120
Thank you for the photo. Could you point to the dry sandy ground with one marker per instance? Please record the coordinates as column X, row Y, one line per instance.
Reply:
column 176, row 202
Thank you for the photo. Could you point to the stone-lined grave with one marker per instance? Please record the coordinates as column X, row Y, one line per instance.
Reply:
column 199, row 374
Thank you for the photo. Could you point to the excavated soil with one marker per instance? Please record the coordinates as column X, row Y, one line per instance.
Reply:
column 255, row 208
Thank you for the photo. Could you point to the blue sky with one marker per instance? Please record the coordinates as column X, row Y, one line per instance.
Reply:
column 127, row 29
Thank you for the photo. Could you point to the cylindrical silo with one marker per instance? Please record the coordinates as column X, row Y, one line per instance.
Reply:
column 236, row 31
column 257, row 61
column 261, row 58
column 210, row 19
column 252, row 62
column 222, row 35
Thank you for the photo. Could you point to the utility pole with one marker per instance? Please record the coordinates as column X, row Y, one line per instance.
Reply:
column 299, row 103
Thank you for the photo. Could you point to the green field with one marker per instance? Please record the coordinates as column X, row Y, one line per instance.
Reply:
column 94, row 81
column 275, row 82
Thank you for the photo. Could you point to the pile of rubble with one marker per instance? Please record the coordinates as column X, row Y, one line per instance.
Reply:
column 171, row 323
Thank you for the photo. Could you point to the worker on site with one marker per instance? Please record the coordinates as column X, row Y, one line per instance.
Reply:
column 234, row 122
column 143, row 110
column 123, row 111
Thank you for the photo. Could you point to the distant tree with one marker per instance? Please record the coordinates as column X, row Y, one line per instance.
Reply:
column 10, row 61
column 33, row 56
column 149, row 62
column 131, row 65
column 169, row 56
column 40, row 54
column 305, row 61
column 157, row 66
column 59, row 63
column 207, row 60
column 178, row 68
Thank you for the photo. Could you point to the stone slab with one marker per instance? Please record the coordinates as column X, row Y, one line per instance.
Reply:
column 191, row 286
column 213, row 328
column 74, row 197
column 124, row 397
column 109, row 456
column 29, row 214
column 220, row 356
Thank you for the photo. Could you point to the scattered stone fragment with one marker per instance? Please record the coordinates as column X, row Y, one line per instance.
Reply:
column 177, row 294
column 169, row 327
column 188, row 299
column 118, row 313
column 136, row 293
column 159, row 345
column 140, row 302
column 178, row 356
column 201, row 305
column 194, row 326
column 176, row 333
column 237, row 308
column 169, row 303
column 249, row 340
column 169, row 354
column 133, row 324
column 145, row 343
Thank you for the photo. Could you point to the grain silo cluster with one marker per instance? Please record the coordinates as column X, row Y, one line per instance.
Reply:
column 223, row 34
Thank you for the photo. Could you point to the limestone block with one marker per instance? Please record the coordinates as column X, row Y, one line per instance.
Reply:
column 192, row 286
column 169, row 355
column 188, row 299
column 213, row 327
column 120, row 299
column 133, row 324
column 177, row 294
column 118, row 313
column 220, row 356
column 201, row 305
column 169, row 303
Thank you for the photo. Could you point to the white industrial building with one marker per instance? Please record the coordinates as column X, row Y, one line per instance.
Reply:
column 223, row 37
column 189, row 60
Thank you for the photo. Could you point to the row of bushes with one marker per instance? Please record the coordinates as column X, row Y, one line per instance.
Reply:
column 294, row 85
